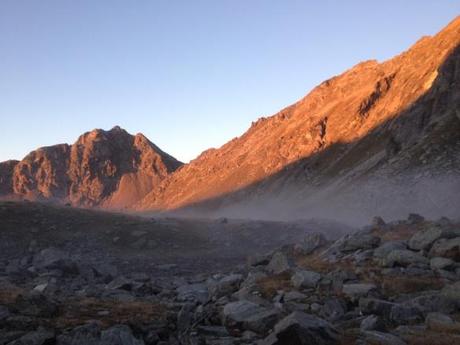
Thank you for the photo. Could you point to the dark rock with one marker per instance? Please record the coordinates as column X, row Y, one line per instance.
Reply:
column 415, row 218
column 300, row 328
column 380, row 338
column 447, row 248
column 119, row 335
column 404, row 258
column 40, row 337
column 35, row 304
column 372, row 323
column 244, row 315
column 403, row 315
column 88, row 334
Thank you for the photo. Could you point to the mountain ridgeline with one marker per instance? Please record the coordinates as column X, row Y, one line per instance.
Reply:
column 379, row 138
column 102, row 168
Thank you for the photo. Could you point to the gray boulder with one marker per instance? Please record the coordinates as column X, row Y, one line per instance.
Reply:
column 404, row 314
column 403, row 257
column 39, row 337
column 305, row 279
column 372, row 323
column 224, row 286
column 439, row 322
column 300, row 328
column 359, row 241
column 310, row 243
column 438, row 263
column 422, row 240
column 119, row 335
column 380, row 338
column 447, row 248
column 355, row 291
column 452, row 292
column 88, row 334
column 280, row 263
column 384, row 249
column 193, row 292
column 244, row 315
column 375, row 306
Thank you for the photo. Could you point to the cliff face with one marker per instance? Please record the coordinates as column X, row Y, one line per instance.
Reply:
column 376, row 118
column 107, row 168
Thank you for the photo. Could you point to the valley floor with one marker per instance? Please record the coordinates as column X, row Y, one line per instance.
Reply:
column 75, row 276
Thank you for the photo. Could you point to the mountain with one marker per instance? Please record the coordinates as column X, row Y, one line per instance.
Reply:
column 102, row 168
column 381, row 136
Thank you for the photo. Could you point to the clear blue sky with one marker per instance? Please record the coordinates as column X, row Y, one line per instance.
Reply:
column 188, row 74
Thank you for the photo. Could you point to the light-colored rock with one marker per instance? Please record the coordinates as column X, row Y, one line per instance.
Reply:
column 447, row 248
column 305, row 279
column 280, row 263
column 422, row 240
column 438, row 263
column 357, row 290
column 403, row 257
column 302, row 329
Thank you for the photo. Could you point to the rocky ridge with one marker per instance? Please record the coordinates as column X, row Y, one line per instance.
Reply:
column 102, row 168
column 395, row 121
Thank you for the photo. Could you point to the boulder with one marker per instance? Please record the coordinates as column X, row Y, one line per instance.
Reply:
column 197, row 292
column 380, row 338
column 280, row 263
column 375, row 306
column 39, row 337
column 35, row 304
column 305, row 279
column 88, row 334
column 224, row 286
column 310, row 243
column 333, row 309
column 53, row 258
column 452, row 292
column 359, row 241
column 119, row 335
column 404, row 315
column 372, row 323
column 447, row 248
column 439, row 322
column 438, row 263
column 385, row 248
column 300, row 328
column 402, row 257
column 355, row 291
column 244, row 315
column 422, row 240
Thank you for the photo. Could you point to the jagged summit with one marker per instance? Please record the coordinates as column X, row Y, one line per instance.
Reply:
column 109, row 168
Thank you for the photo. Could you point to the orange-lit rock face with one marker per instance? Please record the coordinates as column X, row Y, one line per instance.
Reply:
column 111, row 168
column 372, row 110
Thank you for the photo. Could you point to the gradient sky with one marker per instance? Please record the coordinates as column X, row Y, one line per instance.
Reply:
column 188, row 74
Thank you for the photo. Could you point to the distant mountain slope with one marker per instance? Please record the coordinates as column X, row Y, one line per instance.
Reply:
column 389, row 119
column 107, row 168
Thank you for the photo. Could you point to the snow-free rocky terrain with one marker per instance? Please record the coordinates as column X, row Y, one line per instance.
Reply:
column 81, row 277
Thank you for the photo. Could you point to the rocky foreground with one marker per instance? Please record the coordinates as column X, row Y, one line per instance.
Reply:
column 389, row 283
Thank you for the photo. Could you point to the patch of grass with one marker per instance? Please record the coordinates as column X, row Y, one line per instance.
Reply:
column 406, row 284
column 268, row 286
column 77, row 312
